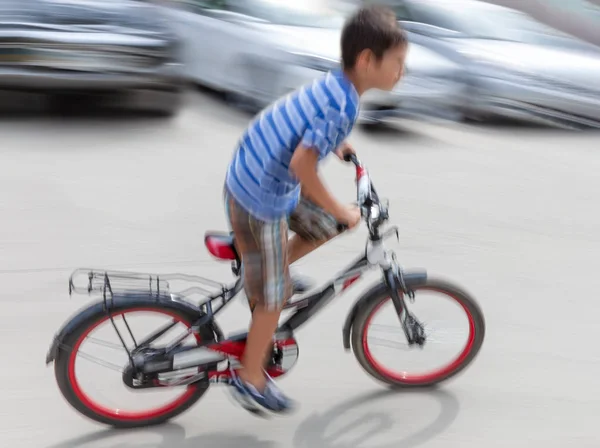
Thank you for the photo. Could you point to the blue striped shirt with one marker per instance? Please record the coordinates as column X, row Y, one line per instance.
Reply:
column 319, row 115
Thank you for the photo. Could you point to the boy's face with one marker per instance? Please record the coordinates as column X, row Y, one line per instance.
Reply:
column 385, row 73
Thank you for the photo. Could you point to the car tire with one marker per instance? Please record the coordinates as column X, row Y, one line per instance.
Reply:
column 158, row 103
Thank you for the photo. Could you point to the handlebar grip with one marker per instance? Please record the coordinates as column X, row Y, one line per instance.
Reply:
column 342, row 227
column 351, row 158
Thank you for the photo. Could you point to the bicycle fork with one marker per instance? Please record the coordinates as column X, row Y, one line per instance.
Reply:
column 413, row 329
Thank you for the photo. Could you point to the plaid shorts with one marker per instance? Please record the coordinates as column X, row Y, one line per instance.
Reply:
column 263, row 248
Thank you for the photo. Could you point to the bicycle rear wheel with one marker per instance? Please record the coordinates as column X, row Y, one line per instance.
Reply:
column 67, row 366
column 364, row 350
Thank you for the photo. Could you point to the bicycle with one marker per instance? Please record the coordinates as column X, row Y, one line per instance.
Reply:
column 211, row 356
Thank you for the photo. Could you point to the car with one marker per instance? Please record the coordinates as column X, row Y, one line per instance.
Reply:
column 514, row 66
column 432, row 88
column 255, row 51
column 121, row 51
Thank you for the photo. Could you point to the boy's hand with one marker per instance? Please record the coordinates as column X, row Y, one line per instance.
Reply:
column 343, row 149
column 350, row 216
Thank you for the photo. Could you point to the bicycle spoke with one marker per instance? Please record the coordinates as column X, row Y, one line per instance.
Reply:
column 389, row 328
column 101, row 362
column 389, row 344
column 105, row 343
column 445, row 336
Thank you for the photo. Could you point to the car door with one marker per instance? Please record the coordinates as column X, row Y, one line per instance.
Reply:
column 215, row 35
column 201, row 29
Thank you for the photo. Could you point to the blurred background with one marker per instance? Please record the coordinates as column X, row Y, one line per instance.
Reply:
column 534, row 61
column 119, row 117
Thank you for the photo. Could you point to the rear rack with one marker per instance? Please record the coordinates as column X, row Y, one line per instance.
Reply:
column 111, row 283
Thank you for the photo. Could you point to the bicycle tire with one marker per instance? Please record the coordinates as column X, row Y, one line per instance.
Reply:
column 64, row 372
column 361, row 323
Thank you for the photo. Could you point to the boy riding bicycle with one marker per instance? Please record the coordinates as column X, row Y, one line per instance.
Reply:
column 272, row 185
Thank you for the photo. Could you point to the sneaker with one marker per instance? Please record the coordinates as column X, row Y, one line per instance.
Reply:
column 271, row 400
column 285, row 403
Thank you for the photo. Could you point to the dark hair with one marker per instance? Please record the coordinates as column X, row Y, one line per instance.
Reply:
column 372, row 28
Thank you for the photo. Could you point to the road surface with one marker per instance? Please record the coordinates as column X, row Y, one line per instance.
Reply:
column 509, row 213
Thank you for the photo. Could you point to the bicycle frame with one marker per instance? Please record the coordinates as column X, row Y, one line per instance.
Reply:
column 306, row 308
column 212, row 353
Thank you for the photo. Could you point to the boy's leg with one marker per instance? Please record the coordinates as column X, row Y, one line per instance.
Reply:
column 263, row 249
column 258, row 346
column 312, row 226
column 299, row 246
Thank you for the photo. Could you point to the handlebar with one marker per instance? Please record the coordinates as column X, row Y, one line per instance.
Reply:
column 366, row 195
column 352, row 158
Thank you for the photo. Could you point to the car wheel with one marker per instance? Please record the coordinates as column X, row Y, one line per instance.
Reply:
column 158, row 103
column 372, row 126
column 242, row 102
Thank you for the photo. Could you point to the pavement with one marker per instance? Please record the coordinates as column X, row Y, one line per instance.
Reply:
column 509, row 213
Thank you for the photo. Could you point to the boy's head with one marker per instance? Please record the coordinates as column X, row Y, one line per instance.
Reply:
column 374, row 48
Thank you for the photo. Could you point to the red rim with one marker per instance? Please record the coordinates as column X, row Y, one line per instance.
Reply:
column 118, row 414
column 427, row 377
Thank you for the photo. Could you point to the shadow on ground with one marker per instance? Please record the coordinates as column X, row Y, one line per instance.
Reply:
column 171, row 435
column 312, row 432
column 360, row 429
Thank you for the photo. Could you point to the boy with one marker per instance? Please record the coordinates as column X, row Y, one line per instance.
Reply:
column 272, row 183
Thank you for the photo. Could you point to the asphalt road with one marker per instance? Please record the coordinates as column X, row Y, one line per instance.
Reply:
column 509, row 213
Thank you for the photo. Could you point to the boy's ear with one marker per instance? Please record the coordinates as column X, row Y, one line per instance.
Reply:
column 364, row 58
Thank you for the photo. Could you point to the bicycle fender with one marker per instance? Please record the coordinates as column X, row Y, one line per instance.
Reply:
column 411, row 279
column 118, row 303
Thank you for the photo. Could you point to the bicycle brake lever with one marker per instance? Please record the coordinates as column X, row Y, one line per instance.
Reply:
column 391, row 231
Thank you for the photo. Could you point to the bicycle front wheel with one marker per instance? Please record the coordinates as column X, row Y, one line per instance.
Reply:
column 373, row 341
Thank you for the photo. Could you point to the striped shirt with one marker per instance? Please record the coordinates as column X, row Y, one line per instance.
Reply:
column 319, row 115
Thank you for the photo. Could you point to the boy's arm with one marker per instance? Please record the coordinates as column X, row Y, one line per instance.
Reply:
column 304, row 166
column 317, row 142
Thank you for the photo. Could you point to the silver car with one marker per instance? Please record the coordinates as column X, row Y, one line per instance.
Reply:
column 259, row 50
column 514, row 66
column 114, row 49
column 433, row 87
column 256, row 50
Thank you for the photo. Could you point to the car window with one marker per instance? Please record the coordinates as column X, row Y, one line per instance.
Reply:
column 402, row 12
column 431, row 16
column 398, row 6
column 205, row 5
column 288, row 13
column 485, row 21
column 212, row 4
